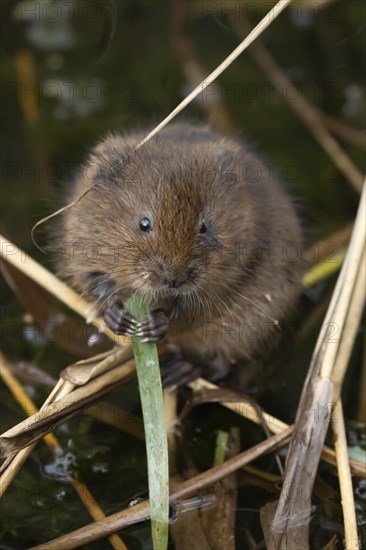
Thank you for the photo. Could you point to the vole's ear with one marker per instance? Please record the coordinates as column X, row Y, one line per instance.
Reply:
column 109, row 161
column 226, row 151
column 225, row 161
column 113, row 149
column 238, row 163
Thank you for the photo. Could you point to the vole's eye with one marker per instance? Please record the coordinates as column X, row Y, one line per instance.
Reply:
column 145, row 225
column 208, row 232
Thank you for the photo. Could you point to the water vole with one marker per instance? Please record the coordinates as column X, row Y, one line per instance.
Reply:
column 196, row 223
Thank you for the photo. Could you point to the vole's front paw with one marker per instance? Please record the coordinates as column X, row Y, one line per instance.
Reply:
column 119, row 320
column 151, row 329
column 154, row 327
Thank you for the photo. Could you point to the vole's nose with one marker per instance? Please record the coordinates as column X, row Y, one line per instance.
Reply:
column 172, row 283
column 176, row 278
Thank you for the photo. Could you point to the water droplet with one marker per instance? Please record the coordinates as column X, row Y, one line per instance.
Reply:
column 100, row 468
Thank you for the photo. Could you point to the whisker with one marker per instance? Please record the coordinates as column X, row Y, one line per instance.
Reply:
column 89, row 289
column 274, row 321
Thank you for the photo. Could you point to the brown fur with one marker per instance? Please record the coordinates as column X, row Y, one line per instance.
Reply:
column 236, row 279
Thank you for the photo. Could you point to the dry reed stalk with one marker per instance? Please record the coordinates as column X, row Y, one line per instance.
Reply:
column 247, row 410
column 323, row 270
column 361, row 415
column 332, row 544
column 355, row 306
column 170, row 407
column 85, row 370
column 345, row 481
column 26, row 75
column 312, row 6
column 344, row 131
column 323, row 250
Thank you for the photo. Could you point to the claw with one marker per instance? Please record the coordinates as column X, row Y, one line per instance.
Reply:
column 119, row 320
column 154, row 327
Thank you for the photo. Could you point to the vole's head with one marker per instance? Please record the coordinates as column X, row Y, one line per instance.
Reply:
column 162, row 220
